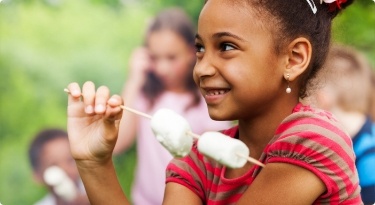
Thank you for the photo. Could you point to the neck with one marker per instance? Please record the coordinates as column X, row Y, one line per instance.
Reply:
column 351, row 121
column 257, row 132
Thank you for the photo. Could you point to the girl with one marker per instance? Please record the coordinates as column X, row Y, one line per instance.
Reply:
column 253, row 61
column 161, row 77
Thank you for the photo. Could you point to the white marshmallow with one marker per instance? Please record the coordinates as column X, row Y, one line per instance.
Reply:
column 66, row 190
column 171, row 130
column 54, row 175
column 223, row 149
column 61, row 183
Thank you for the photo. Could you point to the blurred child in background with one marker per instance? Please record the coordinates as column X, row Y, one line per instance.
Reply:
column 161, row 77
column 346, row 89
column 50, row 147
column 372, row 111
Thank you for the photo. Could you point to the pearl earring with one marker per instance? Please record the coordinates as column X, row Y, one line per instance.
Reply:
column 288, row 89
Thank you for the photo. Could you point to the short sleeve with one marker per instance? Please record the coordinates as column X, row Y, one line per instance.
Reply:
column 188, row 171
column 320, row 147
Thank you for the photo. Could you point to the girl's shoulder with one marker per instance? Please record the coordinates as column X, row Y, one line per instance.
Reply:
column 312, row 132
column 306, row 118
column 314, row 139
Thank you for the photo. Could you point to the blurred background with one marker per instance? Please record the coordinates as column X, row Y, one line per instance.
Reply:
column 46, row 44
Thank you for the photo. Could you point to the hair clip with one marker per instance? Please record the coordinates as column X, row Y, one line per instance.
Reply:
column 313, row 6
column 326, row 1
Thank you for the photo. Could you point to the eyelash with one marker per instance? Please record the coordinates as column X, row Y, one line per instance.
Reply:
column 198, row 48
column 223, row 47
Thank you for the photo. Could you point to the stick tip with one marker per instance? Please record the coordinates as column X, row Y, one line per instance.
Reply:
column 66, row 90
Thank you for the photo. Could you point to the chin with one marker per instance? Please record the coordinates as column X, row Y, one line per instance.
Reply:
column 216, row 114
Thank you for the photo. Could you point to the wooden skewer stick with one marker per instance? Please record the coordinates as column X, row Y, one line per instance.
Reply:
column 195, row 136
column 251, row 160
column 135, row 111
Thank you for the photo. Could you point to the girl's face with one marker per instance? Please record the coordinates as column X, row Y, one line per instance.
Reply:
column 57, row 153
column 172, row 58
column 237, row 69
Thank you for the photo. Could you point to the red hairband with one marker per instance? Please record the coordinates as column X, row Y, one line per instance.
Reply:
column 333, row 6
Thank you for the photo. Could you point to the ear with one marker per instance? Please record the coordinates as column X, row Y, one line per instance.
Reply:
column 299, row 57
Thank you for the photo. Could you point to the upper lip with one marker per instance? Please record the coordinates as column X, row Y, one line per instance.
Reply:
column 206, row 88
column 214, row 86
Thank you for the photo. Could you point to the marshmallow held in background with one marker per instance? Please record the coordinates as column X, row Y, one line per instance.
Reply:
column 171, row 130
column 224, row 149
column 62, row 185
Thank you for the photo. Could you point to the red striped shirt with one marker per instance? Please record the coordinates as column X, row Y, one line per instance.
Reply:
column 309, row 138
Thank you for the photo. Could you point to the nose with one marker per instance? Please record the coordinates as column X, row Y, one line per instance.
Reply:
column 203, row 68
column 163, row 67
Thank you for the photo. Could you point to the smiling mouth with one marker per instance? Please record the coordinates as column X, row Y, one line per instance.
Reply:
column 216, row 92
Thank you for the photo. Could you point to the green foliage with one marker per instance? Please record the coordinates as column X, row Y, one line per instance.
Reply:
column 42, row 49
column 45, row 44
column 356, row 27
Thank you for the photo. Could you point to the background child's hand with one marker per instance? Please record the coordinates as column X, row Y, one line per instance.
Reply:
column 93, row 118
column 140, row 62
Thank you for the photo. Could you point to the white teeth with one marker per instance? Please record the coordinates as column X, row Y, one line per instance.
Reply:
column 216, row 92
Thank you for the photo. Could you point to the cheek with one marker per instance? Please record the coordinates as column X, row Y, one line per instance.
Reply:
column 183, row 68
column 180, row 68
column 70, row 167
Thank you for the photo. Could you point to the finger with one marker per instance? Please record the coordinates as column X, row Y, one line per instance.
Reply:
column 114, row 112
column 115, row 101
column 102, row 96
column 88, row 93
column 75, row 93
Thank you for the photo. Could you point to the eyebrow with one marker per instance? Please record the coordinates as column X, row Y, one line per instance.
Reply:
column 222, row 34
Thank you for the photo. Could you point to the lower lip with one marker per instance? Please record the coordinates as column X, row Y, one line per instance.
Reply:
column 214, row 99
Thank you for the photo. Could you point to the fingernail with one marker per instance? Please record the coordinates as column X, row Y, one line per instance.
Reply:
column 99, row 108
column 113, row 100
column 89, row 109
column 75, row 92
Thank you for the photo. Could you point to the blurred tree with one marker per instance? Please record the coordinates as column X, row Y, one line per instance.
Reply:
column 356, row 27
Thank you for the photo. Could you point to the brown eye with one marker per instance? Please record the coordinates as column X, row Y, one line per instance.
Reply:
column 199, row 48
column 227, row 47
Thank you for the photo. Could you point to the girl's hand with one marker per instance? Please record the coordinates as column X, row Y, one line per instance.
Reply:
column 140, row 63
column 93, row 119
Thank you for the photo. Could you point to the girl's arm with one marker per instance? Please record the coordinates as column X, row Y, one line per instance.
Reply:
column 139, row 64
column 178, row 194
column 283, row 183
column 128, row 127
column 277, row 183
column 101, row 183
column 93, row 119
